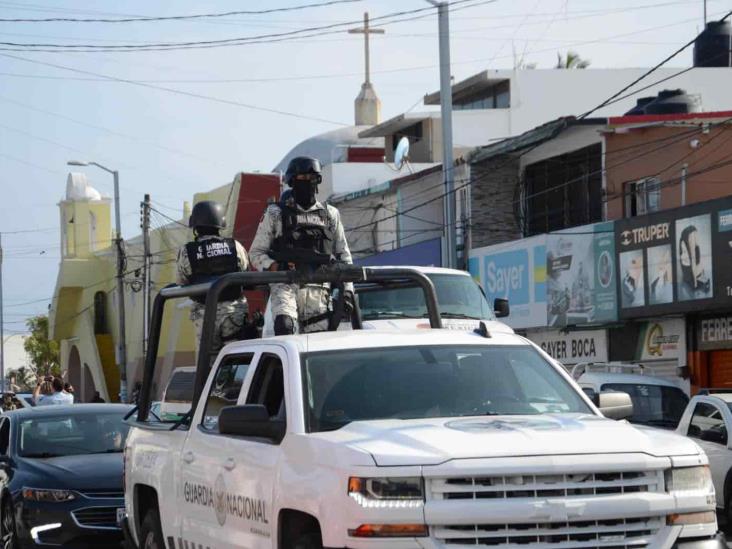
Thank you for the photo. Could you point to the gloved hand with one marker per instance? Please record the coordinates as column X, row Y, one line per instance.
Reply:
column 349, row 302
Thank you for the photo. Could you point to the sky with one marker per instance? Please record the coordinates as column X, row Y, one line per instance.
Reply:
column 173, row 142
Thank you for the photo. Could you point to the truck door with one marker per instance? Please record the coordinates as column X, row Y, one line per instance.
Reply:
column 707, row 425
column 206, row 491
column 253, row 461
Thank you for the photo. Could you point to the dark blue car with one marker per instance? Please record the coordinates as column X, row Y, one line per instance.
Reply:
column 61, row 476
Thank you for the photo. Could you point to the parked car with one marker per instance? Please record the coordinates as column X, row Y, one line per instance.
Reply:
column 463, row 304
column 708, row 420
column 61, row 475
column 657, row 402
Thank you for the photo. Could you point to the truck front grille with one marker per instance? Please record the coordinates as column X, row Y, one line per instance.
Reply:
column 546, row 486
column 619, row 533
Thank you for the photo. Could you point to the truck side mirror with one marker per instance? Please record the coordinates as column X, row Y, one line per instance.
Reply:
column 615, row 405
column 501, row 308
column 250, row 420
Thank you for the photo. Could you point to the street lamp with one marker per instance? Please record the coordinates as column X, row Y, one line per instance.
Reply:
column 121, row 340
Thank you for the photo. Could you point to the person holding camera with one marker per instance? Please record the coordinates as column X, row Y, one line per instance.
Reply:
column 57, row 397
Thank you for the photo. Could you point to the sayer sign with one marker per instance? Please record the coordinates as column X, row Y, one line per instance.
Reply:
column 517, row 273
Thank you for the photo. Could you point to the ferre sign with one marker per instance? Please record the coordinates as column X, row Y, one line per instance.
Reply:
column 714, row 332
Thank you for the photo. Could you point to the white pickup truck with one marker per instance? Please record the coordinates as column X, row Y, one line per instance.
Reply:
column 431, row 439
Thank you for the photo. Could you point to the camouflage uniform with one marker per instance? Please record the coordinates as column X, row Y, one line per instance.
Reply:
column 229, row 314
column 290, row 299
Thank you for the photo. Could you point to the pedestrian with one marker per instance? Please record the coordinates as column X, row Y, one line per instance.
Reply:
column 97, row 398
column 69, row 389
column 301, row 233
column 57, row 396
column 208, row 256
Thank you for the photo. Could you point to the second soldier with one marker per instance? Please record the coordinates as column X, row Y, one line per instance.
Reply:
column 206, row 258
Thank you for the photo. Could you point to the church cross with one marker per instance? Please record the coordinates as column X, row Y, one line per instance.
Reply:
column 366, row 30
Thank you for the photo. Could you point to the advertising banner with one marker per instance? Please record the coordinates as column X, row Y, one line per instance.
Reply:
column 572, row 347
column 515, row 271
column 676, row 260
column 580, row 268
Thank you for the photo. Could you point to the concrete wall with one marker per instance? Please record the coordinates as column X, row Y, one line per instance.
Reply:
column 639, row 154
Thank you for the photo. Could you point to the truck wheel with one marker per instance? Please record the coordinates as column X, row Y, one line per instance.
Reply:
column 309, row 541
column 151, row 535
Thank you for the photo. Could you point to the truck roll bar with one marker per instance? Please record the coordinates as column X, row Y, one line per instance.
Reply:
column 334, row 274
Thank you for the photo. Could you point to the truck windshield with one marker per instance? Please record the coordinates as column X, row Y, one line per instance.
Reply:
column 459, row 296
column 430, row 382
column 656, row 405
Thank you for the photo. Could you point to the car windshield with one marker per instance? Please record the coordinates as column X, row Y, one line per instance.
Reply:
column 656, row 405
column 72, row 434
column 432, row 381
column 459, row 296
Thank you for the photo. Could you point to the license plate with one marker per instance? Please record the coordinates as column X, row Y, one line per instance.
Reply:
column 120, row 515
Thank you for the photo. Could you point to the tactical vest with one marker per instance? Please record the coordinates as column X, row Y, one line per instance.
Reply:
column 211, row 258
column 304, row 240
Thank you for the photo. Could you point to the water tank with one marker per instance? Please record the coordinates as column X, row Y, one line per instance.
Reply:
column 667, row 102
column 712, row 46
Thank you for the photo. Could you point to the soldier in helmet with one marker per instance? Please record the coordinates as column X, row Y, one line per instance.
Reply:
column 204, row 259
column 301, row 233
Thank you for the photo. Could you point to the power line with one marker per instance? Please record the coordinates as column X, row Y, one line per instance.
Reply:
column 177, row 17
column 180, row 92
column 332, row 28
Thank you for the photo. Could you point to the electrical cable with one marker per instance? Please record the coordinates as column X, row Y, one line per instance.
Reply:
column 176, row 17
column 333, row 28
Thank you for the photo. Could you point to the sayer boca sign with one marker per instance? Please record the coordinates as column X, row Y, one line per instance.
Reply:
column 675, row 260
column 573, row 347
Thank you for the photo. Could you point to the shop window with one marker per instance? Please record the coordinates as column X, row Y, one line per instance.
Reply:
column 642, row 196
column 563, row 191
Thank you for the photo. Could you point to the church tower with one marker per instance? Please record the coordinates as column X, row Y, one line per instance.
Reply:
column 85, row 219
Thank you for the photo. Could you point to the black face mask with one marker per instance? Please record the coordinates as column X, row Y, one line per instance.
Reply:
column 304, row 193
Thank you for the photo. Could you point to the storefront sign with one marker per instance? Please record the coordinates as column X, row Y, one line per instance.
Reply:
column 573, row 347
column 663, row 340
column 580, row 272
column 515, row 271
column 675, row 260
column 714, row 333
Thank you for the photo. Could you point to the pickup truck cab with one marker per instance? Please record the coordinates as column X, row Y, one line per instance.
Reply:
column 463, row 304
column 424, row 439
column 708, row 420
column 657, row 402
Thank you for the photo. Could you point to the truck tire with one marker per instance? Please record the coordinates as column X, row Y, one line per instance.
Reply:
column 151, row 534
column 309, row 541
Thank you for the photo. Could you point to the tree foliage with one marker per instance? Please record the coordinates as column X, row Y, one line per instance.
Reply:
column 571, row 61
column 43, row 352
column 24, row 378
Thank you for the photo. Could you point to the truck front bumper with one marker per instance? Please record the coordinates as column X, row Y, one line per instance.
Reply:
column 717, row 542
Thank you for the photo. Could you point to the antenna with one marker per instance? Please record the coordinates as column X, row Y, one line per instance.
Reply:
column 401, row 154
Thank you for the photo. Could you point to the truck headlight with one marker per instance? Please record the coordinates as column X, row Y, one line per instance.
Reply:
column 47, row 496
column 689, row 479
column 387, row 492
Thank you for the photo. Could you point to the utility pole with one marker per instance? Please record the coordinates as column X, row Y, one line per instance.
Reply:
column 2, row 322
column 448, row 172
column 147, row 263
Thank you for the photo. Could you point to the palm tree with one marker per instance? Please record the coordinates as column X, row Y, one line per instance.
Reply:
column 571, row 61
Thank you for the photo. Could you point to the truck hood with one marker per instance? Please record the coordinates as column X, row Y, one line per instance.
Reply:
column 435, row 441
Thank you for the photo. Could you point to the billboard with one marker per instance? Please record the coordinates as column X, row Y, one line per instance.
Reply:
column 515, row 271
column 580, row 275
column 675, row 260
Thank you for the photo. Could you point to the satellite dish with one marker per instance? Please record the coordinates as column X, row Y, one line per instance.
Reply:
column 401, row 154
